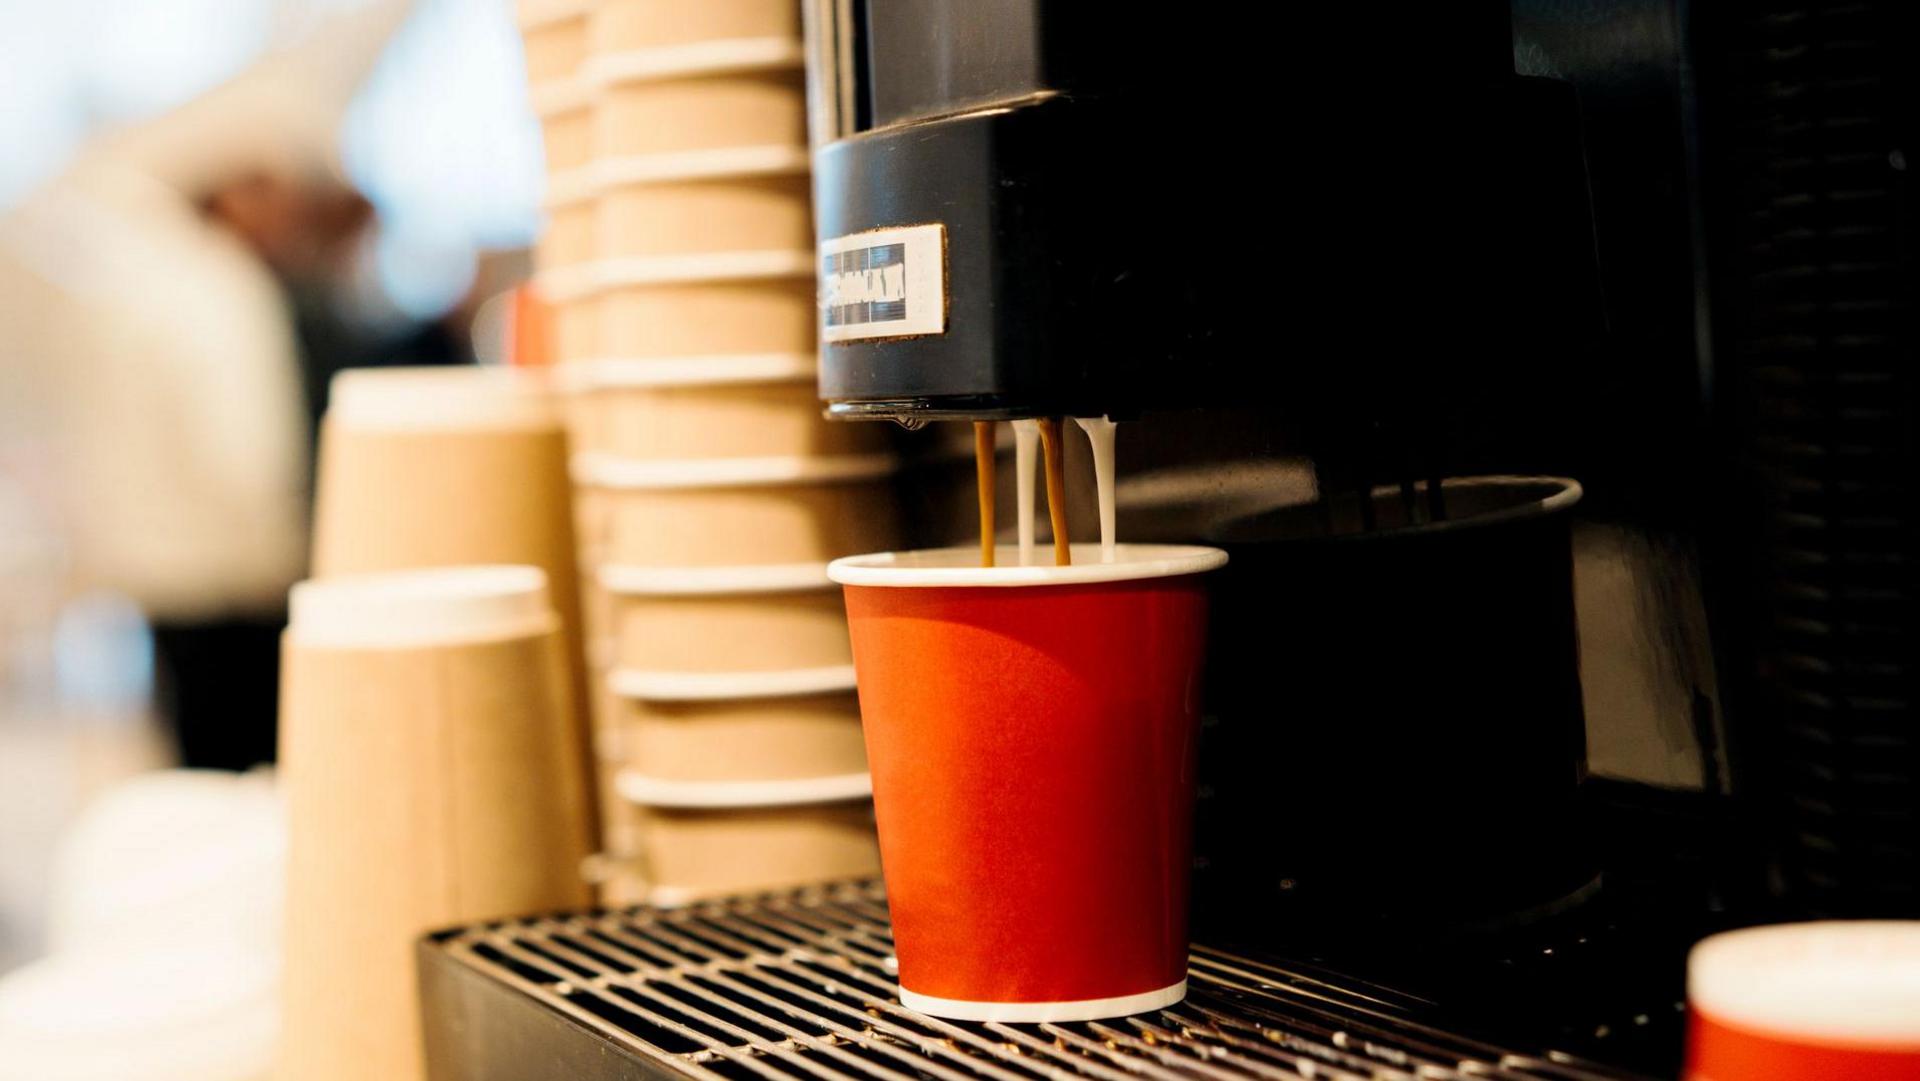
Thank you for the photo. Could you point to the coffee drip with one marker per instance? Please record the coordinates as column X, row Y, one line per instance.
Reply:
column 1047, row 435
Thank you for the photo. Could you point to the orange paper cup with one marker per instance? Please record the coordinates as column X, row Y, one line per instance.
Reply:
column 1806, row 1000
column 1030, row 731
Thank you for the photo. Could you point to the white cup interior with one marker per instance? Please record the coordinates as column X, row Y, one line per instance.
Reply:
column 1838, row 981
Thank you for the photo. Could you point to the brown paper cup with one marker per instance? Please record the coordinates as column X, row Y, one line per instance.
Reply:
column 733, row 521
column 620, row 25
column 592, row 512
column 731, row 633
column 423, row 467
column 668, row 115
column 435, row 467
column 599, row 612
column 635, row 420
column 737, row 740
column 576, row 323
column 554, row 49
column 566, row 112
column 426, row 467
column 727, row 214
column 568, row 239
column 690, row 854
column 432, row 778
column 694, row 318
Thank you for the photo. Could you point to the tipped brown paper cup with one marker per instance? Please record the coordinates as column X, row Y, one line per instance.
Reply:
column 723, row 214
column 620, row 25
column 635, row 420
column 694, row 853
column 661, row 116
column 432, row 777
column 738, row 739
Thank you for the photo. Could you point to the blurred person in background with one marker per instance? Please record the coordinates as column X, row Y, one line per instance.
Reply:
column 149, row 339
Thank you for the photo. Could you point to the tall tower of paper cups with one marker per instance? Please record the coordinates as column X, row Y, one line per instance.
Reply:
column 710, row 493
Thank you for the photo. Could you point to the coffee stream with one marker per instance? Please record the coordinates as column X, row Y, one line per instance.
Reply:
column 983, row 468
column 1049, row 432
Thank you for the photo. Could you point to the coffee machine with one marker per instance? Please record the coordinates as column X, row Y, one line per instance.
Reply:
column 1333, row 260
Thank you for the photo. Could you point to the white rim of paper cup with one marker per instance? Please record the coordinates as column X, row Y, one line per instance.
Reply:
column 622, row 373
column 719, row 163
column 715, row 56
column 1850, row 982
column 637, row 787
column 428, row 606
column 636, row 581
column 570, row 187
column 442, row 398
column 564, row 95
column 652, row 686
column 562, row 284
column 599, row 470
column 941, row 567
column 533, row 14
column 1087, row 1009
column 698, row 267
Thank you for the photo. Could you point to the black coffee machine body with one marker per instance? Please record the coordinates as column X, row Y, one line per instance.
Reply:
column 1366, row 287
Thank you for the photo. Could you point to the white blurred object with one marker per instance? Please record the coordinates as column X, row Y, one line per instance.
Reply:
column 171, row 857
column 155, row 353
column 443, row 137
column 166, row 934
column 179, row 1013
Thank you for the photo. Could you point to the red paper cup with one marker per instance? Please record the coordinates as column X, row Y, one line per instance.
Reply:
column 1031, row 736
column 1806, row 1001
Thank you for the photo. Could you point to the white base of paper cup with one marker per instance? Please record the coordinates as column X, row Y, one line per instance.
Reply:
column 777, row 159
column 623, row 580
column 697, row 267
column 635, row 373
column 425, row 606
column 597, row 470
column 453, row 397
column 693, row 58
column 721, row 795
column 653, row 686
column 1086, row 1009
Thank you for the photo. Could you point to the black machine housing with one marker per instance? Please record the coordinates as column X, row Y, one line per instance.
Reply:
column 1147, row 213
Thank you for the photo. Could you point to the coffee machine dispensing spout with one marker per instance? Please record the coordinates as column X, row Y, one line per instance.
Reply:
column 990, row 187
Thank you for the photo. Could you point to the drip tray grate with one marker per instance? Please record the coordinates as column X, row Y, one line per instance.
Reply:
column 801, row 985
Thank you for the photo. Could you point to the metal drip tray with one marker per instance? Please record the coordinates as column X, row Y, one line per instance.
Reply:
column 800, row 985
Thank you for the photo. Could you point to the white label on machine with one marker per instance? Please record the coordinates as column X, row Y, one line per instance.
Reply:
column 884, row 283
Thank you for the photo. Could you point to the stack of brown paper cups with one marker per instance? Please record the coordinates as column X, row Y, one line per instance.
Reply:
column 555, row 38
column 432, row 778
column 729, row 728
column 709, row 491
column 436, row 467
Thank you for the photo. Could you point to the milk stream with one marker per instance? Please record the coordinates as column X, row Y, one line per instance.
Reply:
column 1100, row 436
column 1026, row 447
